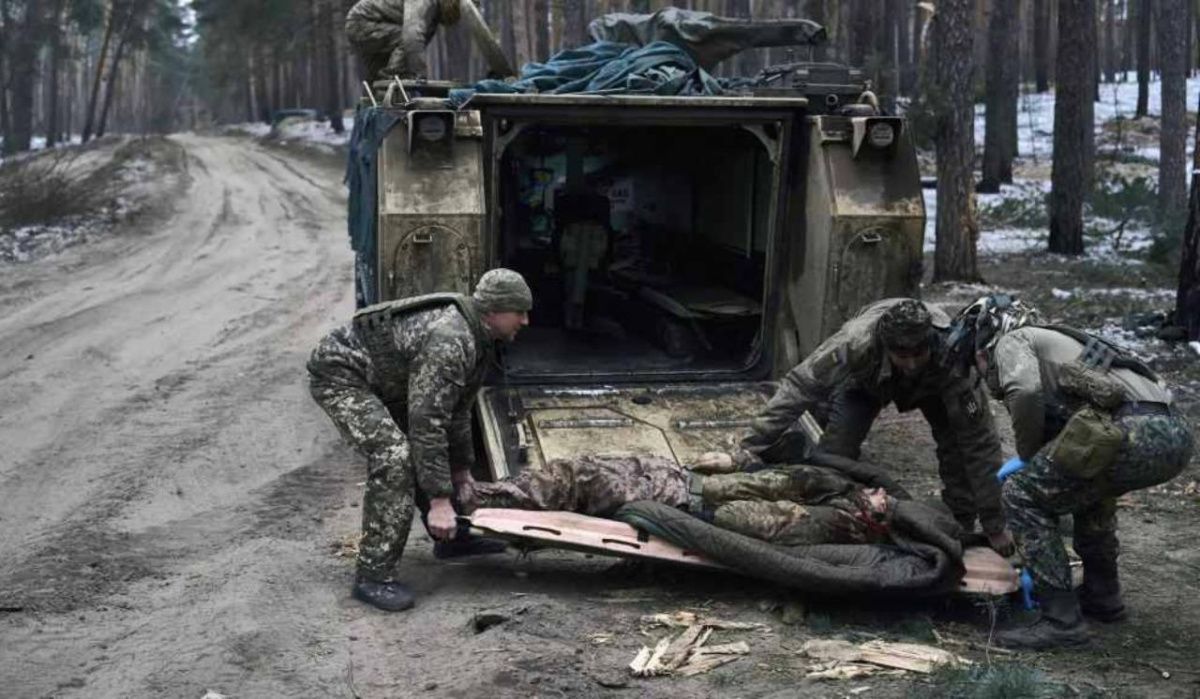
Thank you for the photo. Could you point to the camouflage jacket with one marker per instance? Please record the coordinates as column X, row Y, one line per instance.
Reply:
column 417, row 20
column 853, row 358
column 1036, row 373
column 428, row 370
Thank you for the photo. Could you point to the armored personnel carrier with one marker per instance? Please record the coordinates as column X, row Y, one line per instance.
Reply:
column 684, row 251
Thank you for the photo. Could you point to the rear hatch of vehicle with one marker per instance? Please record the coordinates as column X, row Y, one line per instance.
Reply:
column 526, row 426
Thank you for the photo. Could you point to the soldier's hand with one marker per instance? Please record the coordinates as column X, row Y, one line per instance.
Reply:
column 713, row 462
column 1002, row 542
column 464, row 491
column 442, row 523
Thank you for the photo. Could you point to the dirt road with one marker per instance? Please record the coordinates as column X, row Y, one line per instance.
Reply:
column 172, row 502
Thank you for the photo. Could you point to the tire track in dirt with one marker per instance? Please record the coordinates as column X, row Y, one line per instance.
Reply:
column 168, row 462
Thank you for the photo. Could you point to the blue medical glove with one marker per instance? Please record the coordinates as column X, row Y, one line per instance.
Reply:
column 1010, row 467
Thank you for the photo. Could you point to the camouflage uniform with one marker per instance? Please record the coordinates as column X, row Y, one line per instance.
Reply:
column 848, row 379
column 800, row 505
column 1032, row 370
column 406, row 407
column 391, row 35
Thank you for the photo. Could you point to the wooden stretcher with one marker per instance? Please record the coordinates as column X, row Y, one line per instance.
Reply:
column 988, row 573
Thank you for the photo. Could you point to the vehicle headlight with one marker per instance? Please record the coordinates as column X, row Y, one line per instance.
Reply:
column 881, row 135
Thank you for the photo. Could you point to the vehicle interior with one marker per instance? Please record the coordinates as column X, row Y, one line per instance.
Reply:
column 645, row 248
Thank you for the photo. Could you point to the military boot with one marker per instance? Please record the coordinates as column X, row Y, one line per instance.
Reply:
column 390, row 597
column 1059, row 625
column 464, row 543
column 1100, row 594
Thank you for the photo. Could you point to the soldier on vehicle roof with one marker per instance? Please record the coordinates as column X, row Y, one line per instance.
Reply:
column 1091, row 423
column 400, row 383
column 891, row 352
column 391, row 35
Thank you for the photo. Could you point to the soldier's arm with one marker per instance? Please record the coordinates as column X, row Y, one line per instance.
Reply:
column 436, row 386
column 462, row 441
column 800, row 390
column 417, row 17
column 1020, row 380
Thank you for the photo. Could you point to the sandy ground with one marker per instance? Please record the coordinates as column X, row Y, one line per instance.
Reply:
column 173, row 503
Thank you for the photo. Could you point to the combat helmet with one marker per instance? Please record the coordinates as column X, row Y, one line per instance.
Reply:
column 979, row 326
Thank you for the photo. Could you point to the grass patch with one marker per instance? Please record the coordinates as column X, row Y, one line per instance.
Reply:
column 46, row 189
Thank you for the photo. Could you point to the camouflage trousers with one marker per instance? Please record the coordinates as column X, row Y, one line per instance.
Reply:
column 379, row 45
column 387, row 509
column 1155, row 449
column 770, row 505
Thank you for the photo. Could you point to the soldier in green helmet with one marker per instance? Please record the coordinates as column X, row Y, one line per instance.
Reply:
column 400, row 382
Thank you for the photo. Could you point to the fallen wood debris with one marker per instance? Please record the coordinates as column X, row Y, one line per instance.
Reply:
column 845, row 660
column 840, row 670
column 686, row 655
column 684, row 619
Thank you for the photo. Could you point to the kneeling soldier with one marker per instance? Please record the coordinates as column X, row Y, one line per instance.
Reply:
column 1091, row 423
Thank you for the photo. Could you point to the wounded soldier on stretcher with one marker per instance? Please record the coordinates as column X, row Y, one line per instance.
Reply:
column 791, row 506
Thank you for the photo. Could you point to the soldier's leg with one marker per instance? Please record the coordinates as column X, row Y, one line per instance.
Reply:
column 1096, row 543
column 591, row 486
column 387, row 507
column 790, row 524
column 548, row 488
column 957, row 493
column 848, row 417
column 802, row 484
column 375, row 42
column 1034, row 499
column 1156, row 449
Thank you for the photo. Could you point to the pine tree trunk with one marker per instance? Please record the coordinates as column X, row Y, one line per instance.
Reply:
column 1172, row 42
column 522, row 41
column 1110, row 40
column 88, row 122
column 952, row 62
column 1187, row 296
column 22, row 67
column 574, row 23
column 1144, row 14
column 333, row 99
column 862, row 35
column 1072, row 94
column 888, row 84
column 904, row 47
column 53, row 120
column 1129, row 42
column 815, row 10
column 541, row 25
column 1041, row 44
column 122, row 42
column 1002, row 88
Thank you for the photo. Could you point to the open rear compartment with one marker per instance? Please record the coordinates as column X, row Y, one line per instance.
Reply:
column 646, row 247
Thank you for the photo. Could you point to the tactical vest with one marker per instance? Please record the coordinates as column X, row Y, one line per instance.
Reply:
column 374, row 324
column 1101, row 355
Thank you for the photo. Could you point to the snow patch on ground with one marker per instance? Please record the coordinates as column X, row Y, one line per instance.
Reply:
column 1130, row 292
column 135, row 183
column 1035, row 128
column 1113, row 331
column 297, row 130
column 37, row 144
column 1035, row 114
